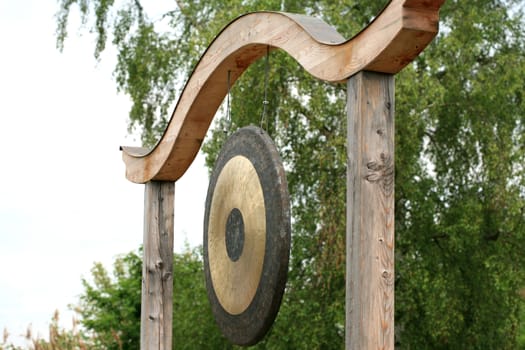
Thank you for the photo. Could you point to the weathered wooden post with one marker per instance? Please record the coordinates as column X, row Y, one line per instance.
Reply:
column 370, row 212
column 367, row 63
column 157, row 269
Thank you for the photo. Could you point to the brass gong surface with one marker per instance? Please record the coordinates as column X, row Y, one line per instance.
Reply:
column 235, row 282
column 246, row 236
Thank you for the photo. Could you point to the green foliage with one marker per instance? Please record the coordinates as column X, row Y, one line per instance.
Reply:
column 460, row 184
column 521, row 331
column 110, row 305
column 193, row 323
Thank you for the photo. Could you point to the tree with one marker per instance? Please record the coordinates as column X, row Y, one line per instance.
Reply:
column 110, row 306
column 459, row 159
column 460, row 202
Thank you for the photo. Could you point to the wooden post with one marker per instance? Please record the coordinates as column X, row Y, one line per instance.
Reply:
column 157, row 270
column 370, row 212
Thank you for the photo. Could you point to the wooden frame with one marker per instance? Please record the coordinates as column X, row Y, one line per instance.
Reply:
column 367, row 63
column 389, row 43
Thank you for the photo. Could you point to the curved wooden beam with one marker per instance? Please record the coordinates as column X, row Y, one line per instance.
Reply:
column 389, row 43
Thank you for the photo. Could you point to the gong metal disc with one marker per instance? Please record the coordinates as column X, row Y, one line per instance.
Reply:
column 246, row 236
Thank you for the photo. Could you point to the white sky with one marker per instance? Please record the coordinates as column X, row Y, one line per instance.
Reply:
column 64, row 200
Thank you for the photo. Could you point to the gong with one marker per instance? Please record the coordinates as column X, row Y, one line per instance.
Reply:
column 246, row 236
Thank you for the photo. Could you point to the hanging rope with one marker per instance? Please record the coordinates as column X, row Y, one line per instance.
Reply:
column 265, row 99
column 228, row 125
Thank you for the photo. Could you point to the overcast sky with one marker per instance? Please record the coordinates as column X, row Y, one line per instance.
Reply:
column 64, row 199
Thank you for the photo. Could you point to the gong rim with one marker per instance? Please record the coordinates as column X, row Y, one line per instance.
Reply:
column 247, row 324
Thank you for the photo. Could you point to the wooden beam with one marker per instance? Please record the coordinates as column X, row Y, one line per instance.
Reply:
column 157, row 270
column 370, row 212
column 391, row 41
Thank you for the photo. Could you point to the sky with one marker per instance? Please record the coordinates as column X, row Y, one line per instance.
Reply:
column 64, row 200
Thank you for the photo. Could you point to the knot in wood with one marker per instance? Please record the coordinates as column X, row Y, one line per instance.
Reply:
column 382, row 173
column 159, row 264
column 387, row 277
column 166, row 276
